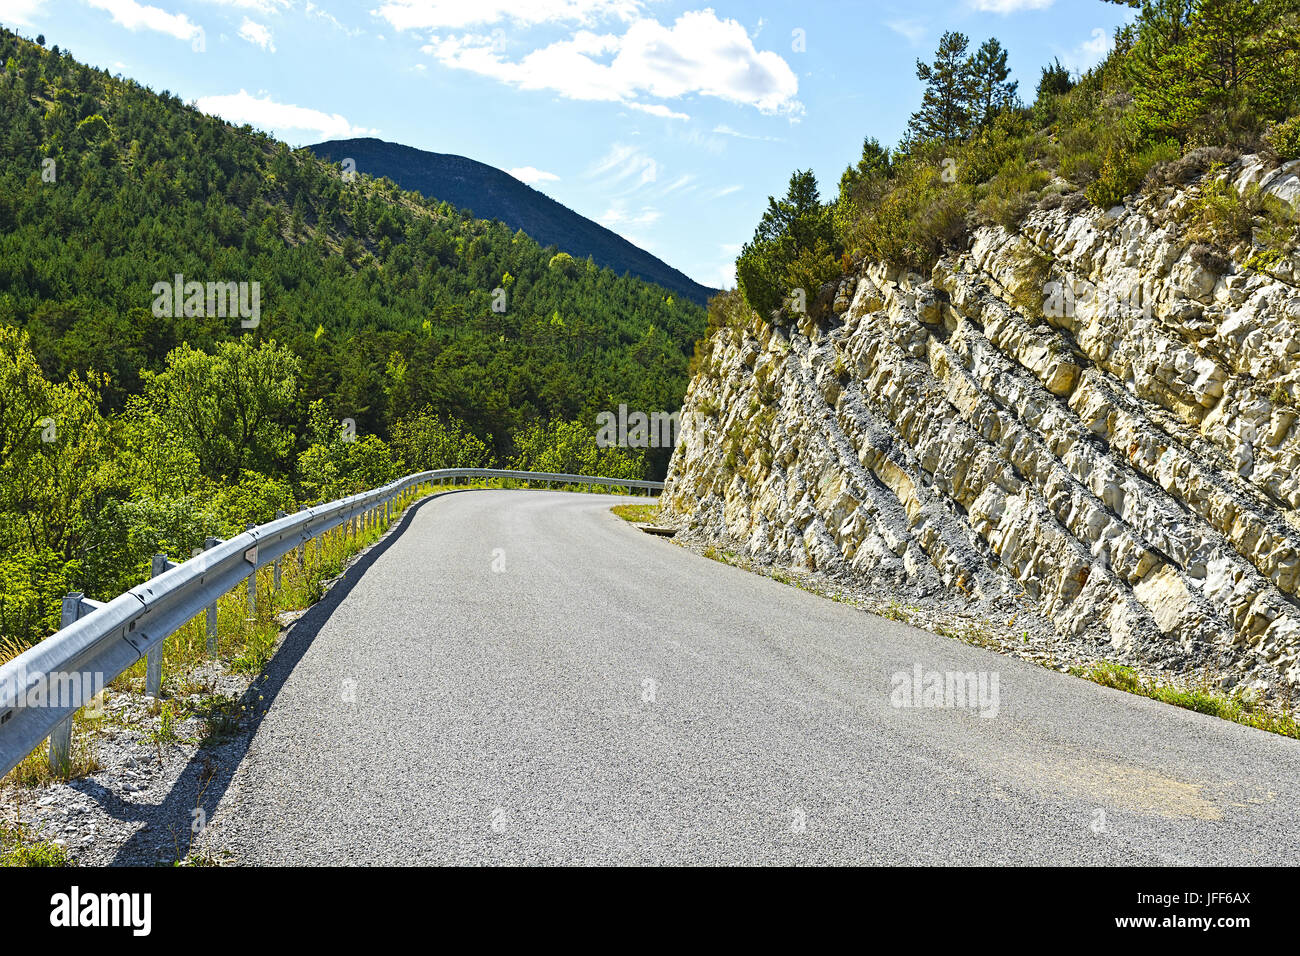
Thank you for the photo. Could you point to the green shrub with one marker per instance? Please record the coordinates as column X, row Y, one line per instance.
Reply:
column 1123, row 170
column 1284, row 138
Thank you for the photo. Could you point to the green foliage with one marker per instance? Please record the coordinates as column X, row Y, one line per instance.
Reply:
column 945, row 112
column 19, row 850
column 1214, row 72
column 32, row 585
column 915, row 220
column 229, row 409
column 989, row 89
column 373, row 269
column 425, row 442
column 124, row 434
column 570, row 448
column 1123, row 169
column 1285, row 138
column 789, row 247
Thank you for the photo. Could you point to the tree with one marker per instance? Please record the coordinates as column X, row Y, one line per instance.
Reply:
column 570, row 448
column 337, row 463
column 945, row 106
column 875, row 164
column 425, row 441
column 1209, row 71
column 791, row 228
column 229, row 408
column 1054, row 80
column 989, row 89
column 53, row 445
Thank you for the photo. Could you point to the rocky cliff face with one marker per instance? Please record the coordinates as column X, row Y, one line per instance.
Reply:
column 1095, row 416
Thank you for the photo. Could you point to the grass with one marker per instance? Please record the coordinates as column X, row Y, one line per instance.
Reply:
column 245, row 644
column 18, row 849
column 642, row 514
column 34, row 770
column 1202, row 700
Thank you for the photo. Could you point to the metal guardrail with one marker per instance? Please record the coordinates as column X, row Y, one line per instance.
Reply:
column 42, row 689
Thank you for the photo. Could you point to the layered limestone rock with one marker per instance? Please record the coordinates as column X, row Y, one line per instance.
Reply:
column 1091, row 415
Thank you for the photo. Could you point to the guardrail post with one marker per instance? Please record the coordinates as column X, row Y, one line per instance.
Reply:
column 153, row 658
column 276, row 567
column 61, row 736
column 252, row 587
column 212, row 542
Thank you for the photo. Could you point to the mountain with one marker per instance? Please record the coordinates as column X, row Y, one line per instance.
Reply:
column 490, row 193
column 383, row 295
column 200, row 326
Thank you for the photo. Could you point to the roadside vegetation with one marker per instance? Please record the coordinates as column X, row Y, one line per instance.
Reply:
column 639, row 514
column 205, row 449
column 1186, row 88
column 382, row 346
column 19, row 849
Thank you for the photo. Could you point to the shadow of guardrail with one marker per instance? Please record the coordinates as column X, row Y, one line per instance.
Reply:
column 207, row 776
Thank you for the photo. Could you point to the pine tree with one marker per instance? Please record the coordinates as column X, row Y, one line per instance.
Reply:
column 989, row 89
column 944, row 114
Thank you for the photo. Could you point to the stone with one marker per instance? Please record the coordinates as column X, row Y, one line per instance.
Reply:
column 1122, row 468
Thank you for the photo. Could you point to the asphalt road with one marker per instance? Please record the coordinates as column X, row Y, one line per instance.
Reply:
column 518, row 677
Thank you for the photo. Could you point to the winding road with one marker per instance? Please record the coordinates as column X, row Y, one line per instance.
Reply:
column 519, row 677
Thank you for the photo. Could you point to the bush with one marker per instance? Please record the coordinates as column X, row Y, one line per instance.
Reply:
column 1011, row 198
column 1220, row 216
column 32, row 586
column 1284, row 138
column 1123, row 170
column 570, row 448
column 1180, row 172
column 809, row 271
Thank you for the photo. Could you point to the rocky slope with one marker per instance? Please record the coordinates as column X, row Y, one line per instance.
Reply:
column 1094, row 416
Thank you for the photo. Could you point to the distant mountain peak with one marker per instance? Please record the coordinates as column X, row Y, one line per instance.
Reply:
column 492, row 193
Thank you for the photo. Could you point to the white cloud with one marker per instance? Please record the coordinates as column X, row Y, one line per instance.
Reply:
column 726, row 191
column 657, row 109
column 20, row 12
column 257, row 34
column 724, row 130
column 314, row 11
column 623, row 163
column 699, row 54
column 913, row 30
column 617, row 215
column 532, row 175
column 458, row 14
column 139, row 16
column 1088, row 53
column 681, row 182
column 264, row 113
column 260, row 6
column 1010, row 6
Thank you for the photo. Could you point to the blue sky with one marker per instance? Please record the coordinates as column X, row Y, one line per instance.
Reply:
column 668, row 122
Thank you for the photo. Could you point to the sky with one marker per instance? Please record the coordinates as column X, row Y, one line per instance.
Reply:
column 670, row 123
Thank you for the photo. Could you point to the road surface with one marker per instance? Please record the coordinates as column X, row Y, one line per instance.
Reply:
column 519, row 677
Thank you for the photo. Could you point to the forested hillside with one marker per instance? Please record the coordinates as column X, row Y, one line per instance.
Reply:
column 394, row 333
column 490, row 193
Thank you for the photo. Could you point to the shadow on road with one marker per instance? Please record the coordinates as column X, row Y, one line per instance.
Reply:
column 204, row 781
